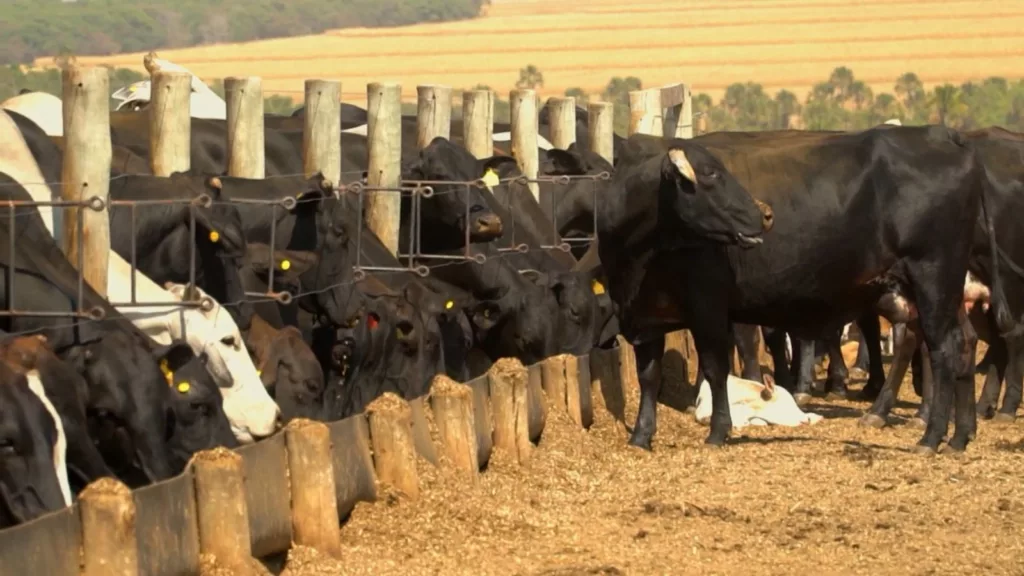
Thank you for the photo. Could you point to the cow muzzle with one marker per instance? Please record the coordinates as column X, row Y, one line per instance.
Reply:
column 767, row 216
column 486, row 227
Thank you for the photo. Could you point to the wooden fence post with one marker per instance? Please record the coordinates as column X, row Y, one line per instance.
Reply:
column 170, row 122
column 601, row 129
column 321, row 135
column 108, row 527
column 523, row 105
column 510, row 401
column 311, row 470
column 452, row 404
column 645, row 115
column 246, row 156
column 394, row 452
column 222, row 509
column 86, row 171
column 384, row 140
column 433, row 114
column 562, row 122
column 478, row 122
column 678, row 106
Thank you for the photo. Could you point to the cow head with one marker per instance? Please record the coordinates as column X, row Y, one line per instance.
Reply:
column 706, row 199
column 213, row 333
column 453, row 208
column 199, row 420
column 293, row 375
column 28, row 479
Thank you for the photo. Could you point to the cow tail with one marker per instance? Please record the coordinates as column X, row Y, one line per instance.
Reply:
column 1008, row 326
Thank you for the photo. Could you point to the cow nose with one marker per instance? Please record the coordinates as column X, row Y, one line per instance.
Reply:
column 487, row 226
column 767, row 216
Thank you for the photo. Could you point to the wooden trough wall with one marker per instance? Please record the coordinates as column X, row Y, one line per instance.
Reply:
column 297, row 486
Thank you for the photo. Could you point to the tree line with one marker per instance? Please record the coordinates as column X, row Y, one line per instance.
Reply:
column 37, row 28
column 840, row 103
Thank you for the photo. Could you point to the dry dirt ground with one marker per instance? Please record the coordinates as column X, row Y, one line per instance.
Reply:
column 826, row 499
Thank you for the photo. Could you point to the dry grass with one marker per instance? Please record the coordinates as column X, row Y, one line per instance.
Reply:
column 780, row 43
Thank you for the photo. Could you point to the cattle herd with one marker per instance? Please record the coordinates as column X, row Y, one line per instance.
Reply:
column 794, row 233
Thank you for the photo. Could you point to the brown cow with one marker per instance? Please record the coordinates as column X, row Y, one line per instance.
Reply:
column 288, row 368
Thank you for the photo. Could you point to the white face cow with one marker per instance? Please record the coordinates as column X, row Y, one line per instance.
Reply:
column 247, row 404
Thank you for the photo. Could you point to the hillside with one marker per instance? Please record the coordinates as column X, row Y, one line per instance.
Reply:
column 782, row 44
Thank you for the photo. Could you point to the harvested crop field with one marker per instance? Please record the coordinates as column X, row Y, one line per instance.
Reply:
column 829, row 499
column 790, row 44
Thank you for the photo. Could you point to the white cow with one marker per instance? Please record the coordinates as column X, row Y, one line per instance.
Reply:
column 45, row 109
column 247, row 404
column 748, row 407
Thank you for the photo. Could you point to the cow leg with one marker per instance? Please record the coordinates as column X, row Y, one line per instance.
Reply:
column 712, row 354
column 775, row 341
column 870, row 329
column 803, row 370
column 648, row 368
column 835, row 383
column 924, row 384
column 998, row 356
column 886, row 399
column 746, row 344
column 1014, row 376
column 917, row 372
column 863, row 361
column 964, row 401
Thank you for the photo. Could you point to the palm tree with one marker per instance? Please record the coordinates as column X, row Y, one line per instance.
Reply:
column 860, row 94
column 910, row 90
column 618, row 89
column 788, row 107
column 946, row 102
column 841, row 80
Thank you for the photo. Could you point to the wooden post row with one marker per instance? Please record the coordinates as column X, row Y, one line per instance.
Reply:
column 433, row 114
column 562, row 122
column 246, row 157
column 86, row 171
column 384, row 140
column 170, row 122
column 523, row 104
column 601, row 129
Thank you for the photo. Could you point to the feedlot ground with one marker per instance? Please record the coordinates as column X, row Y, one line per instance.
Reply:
column 825, row 499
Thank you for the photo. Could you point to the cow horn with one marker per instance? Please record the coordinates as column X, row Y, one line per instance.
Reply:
column 215, row 182
column 682, row 163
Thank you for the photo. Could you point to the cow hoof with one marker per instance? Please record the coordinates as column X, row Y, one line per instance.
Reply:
column 802, row 399
column 953, row 448
column 642, row 444
column 986, row 412
column 1003, row 418
column 837, row 395
column 924, row 450
column 871, row 421
column 917, row 423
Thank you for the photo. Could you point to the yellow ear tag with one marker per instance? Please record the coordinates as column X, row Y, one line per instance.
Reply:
column 597, row 287
column 259, row 372
column 285, row 264
column 449, row 305
column 165, row 368
column 299, row 195
column 491, row 178
column 184, row 387
column 214, row 236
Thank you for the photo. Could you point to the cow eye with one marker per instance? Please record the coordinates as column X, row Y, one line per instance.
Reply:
column 7, row 447
column 229, row 341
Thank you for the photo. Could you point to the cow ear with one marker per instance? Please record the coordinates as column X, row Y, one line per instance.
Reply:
column 536, row 276
column 177, row 354
column 565, row 163
column 498, row 165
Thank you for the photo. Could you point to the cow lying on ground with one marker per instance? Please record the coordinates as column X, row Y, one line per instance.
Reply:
column 752, row 403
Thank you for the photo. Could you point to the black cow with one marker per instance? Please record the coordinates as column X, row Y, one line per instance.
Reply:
column 663, row 224
column 28, row 479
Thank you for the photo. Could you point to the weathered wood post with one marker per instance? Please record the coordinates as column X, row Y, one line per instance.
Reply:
column 562, row 122
column 86, row 171
column 170, row 122
column 601, row 129
column 452, row 404
column 509, row 382
column 394, row 452
column 645, row 116
column 311, row 471
column 678, row 106
column 321, row 134
column 384, row 140
column 222, row 509
column 246, row 156
column 107, row 509
column 433, row 114
column 478, row 122
column 524, row 135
